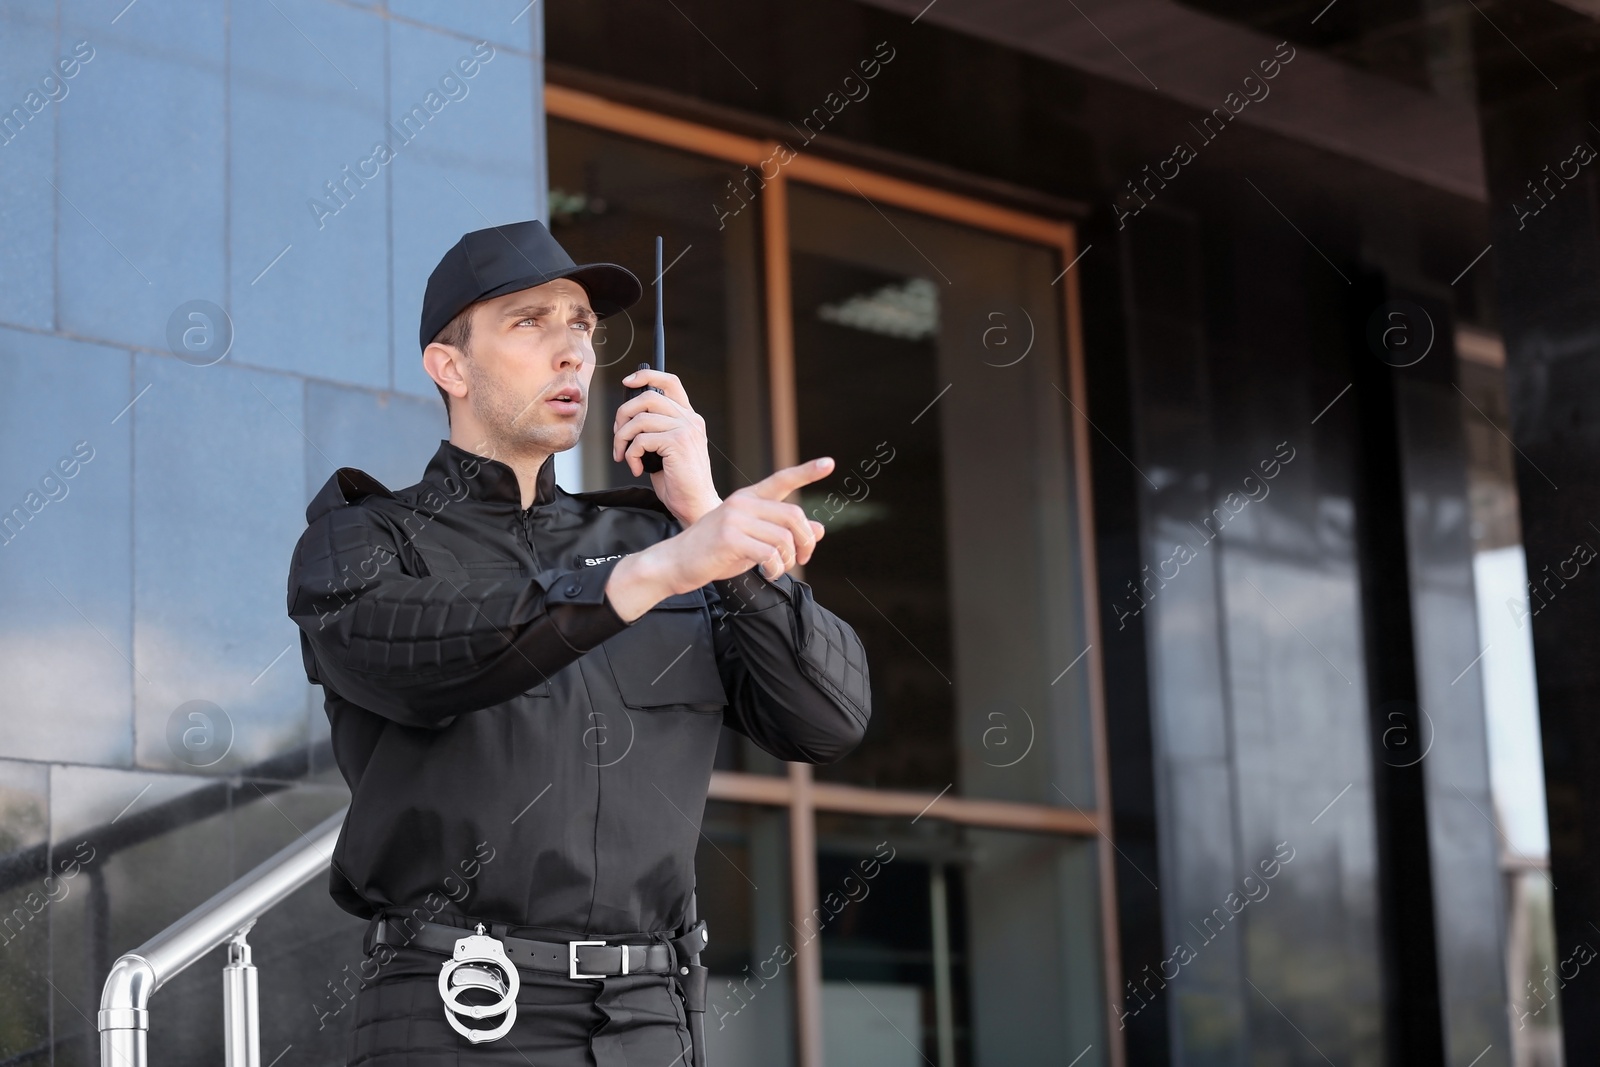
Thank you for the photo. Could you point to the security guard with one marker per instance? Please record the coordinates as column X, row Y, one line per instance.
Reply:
column 526, row 685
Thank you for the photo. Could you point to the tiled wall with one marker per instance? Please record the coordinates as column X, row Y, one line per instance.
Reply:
column 155, row 483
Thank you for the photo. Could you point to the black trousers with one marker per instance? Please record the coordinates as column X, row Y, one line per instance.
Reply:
column 634, row 1020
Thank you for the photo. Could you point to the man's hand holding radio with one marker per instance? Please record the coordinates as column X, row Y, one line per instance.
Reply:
column 665, row 423
column 753, row 527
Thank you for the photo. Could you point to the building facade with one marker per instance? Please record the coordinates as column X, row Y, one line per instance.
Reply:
column 1206, row 386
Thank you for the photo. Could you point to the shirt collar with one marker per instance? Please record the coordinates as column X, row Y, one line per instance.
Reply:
column 488, row 479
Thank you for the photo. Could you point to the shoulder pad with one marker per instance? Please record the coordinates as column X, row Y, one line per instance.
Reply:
column 345, row 486
column 625, row 496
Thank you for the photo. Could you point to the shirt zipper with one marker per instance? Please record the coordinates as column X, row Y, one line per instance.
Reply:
column 527, row 536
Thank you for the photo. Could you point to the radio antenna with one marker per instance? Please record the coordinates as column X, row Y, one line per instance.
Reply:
column 652, row 460
column 661, row 326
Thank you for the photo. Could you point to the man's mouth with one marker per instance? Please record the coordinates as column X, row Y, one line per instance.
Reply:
column 567, row 401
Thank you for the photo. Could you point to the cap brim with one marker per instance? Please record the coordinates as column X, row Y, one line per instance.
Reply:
column 611, row 287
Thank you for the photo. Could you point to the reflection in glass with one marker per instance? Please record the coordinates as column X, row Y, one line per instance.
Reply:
column 1511, row 704
column 66, row 535
column 742, row 872
column 30, row 884
column 930, row 365
column 144, row 850
column 956, row 946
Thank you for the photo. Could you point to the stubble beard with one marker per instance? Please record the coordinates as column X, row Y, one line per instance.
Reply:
column 521, row 425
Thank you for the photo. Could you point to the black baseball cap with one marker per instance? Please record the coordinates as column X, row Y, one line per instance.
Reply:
column 520, row 255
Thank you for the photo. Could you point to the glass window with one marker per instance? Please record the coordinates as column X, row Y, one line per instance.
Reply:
column 930, row 365
column 1506, row 603
column 956, row 946
column 742, row 869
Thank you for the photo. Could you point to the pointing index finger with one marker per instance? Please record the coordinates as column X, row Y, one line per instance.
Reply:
column 781, row 483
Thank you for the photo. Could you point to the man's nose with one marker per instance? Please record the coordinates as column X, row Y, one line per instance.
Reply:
column 571, row 355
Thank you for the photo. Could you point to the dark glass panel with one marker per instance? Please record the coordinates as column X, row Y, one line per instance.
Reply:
column 930, row 364
column 956, row 946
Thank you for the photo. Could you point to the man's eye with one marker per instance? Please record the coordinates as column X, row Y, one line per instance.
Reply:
column 525, row 322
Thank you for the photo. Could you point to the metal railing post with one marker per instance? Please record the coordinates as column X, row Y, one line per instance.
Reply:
column 241, row 1012
column 125, row 1026
column 124, row 1019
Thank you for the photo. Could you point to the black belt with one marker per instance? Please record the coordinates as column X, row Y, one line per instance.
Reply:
column 594, row 958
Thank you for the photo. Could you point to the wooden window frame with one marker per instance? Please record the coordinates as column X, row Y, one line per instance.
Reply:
column 798, row 791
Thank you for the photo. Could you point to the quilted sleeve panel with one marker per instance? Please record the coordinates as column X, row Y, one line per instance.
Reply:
column 795, row 673
column 419, row 649
column 832, row 655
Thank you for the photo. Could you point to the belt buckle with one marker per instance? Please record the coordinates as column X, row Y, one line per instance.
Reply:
column 572, row 959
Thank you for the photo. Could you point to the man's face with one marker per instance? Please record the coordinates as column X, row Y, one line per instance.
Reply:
column 527, row 350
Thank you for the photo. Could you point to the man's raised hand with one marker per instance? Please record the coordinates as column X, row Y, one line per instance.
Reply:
column 665, row 423
column 753, row 527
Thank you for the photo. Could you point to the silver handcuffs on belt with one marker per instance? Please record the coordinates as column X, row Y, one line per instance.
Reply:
column 477, row 958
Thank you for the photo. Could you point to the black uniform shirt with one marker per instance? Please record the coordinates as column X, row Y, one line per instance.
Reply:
column 514, row 750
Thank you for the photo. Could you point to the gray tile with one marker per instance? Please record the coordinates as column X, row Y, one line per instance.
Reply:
column 29, row 887
column 306, row 942
column 161, row 844
column 390, row 436
column 32, row 89
column 306, row 113
column 65, row 658
column 141, row 157
column 269, row 816
column 154, row 846
column 219, row 507
column 465, row 167
column 504, row 22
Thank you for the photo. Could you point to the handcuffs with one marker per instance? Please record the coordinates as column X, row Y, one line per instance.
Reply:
column 474, row 965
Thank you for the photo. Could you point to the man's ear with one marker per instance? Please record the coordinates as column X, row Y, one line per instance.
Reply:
column 444, row 364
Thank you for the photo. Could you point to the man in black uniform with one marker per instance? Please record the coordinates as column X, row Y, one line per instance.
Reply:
column 526, row 685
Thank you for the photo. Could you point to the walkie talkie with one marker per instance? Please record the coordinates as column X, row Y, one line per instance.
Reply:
column 652, row 460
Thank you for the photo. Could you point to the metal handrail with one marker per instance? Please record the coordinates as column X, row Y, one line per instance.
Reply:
column 226, row 918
